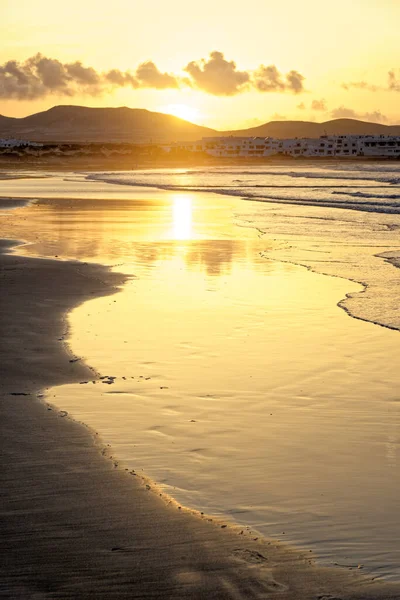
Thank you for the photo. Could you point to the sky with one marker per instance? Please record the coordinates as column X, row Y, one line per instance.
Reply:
column 219, row 63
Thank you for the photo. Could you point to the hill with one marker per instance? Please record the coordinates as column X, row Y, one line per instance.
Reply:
column 84, row 124
column 292, row 129
column 133, row 125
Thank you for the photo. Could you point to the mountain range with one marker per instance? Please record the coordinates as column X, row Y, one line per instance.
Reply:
column 133, row 125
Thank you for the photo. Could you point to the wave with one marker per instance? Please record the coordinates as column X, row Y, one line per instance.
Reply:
column 366, row 195
column 382, row 176
column 116, row 179
column 344, row 175
column 387, row 207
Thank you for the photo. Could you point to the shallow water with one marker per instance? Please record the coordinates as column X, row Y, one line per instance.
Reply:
column 240, row 386
column 369, row 187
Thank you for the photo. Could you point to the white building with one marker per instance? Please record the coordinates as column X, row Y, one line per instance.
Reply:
column 373, row 145
column 342, row 146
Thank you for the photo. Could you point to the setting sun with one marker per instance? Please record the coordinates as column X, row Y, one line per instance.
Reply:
column 183, row 111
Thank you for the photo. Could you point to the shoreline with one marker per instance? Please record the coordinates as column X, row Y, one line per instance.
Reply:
column 53, row 463
column 67, row 164
column 30, row 486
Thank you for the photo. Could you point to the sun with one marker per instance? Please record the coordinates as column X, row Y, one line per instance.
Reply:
column 183, row 111
column 182, row 217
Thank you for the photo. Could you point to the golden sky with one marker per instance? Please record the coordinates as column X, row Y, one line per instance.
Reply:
column 218, row 63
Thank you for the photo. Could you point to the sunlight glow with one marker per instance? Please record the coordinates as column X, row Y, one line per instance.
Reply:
column 182, row 218
column 183, row 111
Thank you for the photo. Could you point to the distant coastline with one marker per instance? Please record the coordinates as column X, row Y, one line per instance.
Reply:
column 83, row 124
column 131, row 157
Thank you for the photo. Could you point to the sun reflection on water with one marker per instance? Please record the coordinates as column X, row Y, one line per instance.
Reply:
column 182, row 218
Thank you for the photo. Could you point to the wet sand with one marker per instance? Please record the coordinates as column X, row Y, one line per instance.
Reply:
column 74, row 525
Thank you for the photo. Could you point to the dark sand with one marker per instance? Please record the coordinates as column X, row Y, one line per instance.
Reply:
column 73, row 525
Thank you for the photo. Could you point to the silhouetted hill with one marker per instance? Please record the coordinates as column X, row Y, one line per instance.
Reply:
column 84, row 124
column 134, row 125
column 291, row 129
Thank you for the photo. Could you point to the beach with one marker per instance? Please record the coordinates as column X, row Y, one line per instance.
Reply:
column 80, row 518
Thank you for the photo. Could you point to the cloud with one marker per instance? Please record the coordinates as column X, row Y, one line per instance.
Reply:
column 217, row 76
column 315, row 105
column 319, row 105
column 269, row 79
column 343, row 113
column 295, row 82
column 51, row 72
column 220, row 77
column 394, row 82
column 348, row 113
column 149, row 76
column 375, row 117
column 121, row 79
column 83, row 75
column 361, row 85
column 278, row 117
column 40, row 76
column 31, row 79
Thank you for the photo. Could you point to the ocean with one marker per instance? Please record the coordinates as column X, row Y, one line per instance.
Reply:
column 352, row 186
column 363, row 188
column 250, row 363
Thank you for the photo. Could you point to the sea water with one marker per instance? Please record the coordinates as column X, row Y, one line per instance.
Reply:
column 245, row 381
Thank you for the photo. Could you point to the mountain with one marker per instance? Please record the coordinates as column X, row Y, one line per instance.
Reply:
column 84, row 124
column 136, row 125
column 292, row 129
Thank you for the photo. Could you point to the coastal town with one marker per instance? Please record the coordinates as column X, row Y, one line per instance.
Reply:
column 343, row 146
column 378, row 147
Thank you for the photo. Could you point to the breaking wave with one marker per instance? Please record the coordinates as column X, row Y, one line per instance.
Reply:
column 370, row 188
